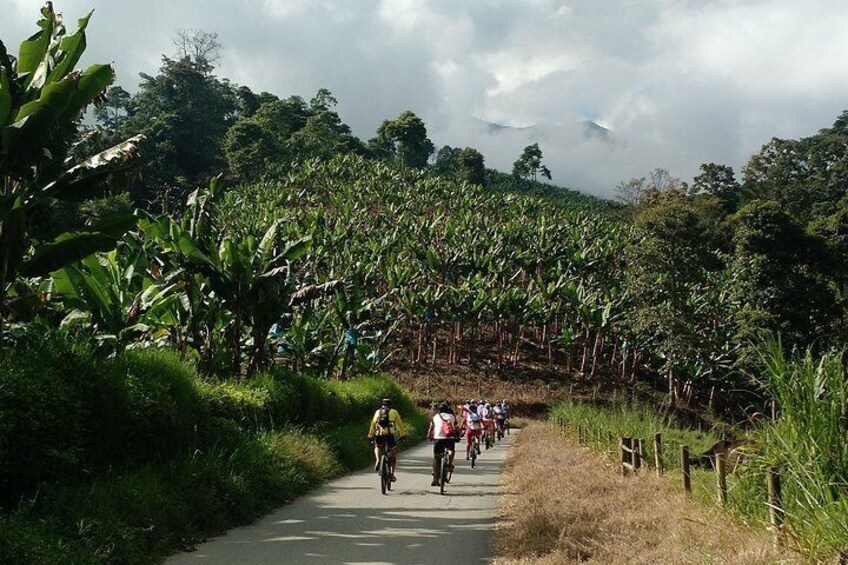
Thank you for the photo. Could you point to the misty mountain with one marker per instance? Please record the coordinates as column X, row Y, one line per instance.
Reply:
column 589, row 130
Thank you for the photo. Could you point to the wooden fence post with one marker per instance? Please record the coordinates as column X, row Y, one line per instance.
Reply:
column 684, row 465
column 721, row 471
column 626, row 454
column 579, row 434
column 775, row 502
column 637, row 455
column 658, row 460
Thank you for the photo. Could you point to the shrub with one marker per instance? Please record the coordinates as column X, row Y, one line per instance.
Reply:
column 45, row 387
column 156, row 407
column 65, row 414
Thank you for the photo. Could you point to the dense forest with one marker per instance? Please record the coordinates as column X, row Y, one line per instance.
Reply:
column 256, row 239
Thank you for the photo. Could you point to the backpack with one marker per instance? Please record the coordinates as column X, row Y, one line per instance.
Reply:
column 384, row 422
column 448, row 429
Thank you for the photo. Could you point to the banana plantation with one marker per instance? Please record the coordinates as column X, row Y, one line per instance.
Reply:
column 344, row 265
column 336, row 265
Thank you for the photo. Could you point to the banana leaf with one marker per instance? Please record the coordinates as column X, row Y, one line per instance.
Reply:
column 66, row 249
column 73, row 47
column 33, row 49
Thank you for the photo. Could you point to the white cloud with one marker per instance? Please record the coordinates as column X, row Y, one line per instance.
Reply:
column 680, row 82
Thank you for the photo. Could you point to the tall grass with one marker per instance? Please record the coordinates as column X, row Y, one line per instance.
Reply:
column 603, row 424
column 808, row 442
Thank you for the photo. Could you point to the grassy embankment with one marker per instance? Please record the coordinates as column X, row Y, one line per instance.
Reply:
column 128, row 459
column 808, row 443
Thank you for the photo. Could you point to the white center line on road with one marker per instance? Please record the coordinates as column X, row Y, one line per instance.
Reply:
column 348, row 520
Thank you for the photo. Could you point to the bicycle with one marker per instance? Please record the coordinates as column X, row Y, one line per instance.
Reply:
column 445, row 473
column 500, row 426
column 384, row 470
column 475, row 450
column 488, row 433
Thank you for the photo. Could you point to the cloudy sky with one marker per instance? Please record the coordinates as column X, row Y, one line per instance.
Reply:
column 677, row 82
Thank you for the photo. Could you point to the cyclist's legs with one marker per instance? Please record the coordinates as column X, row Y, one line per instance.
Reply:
column 378, row 449
column 391, row 446
column 470, row 435
column 438, row 451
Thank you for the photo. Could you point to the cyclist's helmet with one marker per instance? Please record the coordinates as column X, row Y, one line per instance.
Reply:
column 444, row 408
column 387, row 402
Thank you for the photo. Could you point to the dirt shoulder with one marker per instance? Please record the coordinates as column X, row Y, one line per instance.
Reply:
column 566, row 504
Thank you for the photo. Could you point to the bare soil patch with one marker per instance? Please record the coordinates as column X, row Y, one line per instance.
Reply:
column 566, row 504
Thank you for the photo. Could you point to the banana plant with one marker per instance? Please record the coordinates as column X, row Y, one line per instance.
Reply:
column 256, row 279
column 42, row 99
column 114, row 295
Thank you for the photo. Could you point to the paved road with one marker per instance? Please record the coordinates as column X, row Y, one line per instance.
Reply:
column 349, row 522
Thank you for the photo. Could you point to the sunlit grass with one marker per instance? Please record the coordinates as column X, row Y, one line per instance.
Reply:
column 808, row 443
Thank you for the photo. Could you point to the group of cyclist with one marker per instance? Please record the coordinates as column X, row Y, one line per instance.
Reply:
column 483, row 419
column 476, row 418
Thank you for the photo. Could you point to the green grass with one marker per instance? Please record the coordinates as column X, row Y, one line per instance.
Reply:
column 603, row 424
column 228, row 452
column 808, row 443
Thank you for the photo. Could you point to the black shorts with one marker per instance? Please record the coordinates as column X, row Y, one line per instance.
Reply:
column 386, row 442
column 444, row 444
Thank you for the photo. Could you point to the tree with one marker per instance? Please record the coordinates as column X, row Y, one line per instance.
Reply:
column 529, row 165
column 466, row 164
column 641, row 190
column 781, row 282
column 447, row 161
column 284, row 131
column 198, row 46
column 324, row 134
column 185, row 112
column 719, row 181
column 669, row 271
column 42, row 99
column 807, row 176
column 405, row 140
column 631, row 192
column 473, row 166
column 112, row 112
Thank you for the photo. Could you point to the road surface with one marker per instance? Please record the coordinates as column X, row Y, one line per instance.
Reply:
column 349, row 522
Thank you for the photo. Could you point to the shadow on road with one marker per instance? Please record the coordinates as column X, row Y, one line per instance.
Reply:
column 350, row 522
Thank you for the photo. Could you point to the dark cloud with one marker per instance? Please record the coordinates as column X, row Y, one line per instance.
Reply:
column 678, row 82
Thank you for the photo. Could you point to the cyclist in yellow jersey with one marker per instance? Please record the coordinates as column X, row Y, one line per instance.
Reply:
column 385, row 431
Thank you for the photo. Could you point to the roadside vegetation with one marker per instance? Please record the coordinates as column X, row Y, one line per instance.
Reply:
column 566, row 504
column 806, row 442
column 204, row 455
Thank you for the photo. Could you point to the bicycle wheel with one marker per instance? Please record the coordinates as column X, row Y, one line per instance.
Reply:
column 385, row 478
column 488, row 440
column 443, row 474
column 473, row 456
